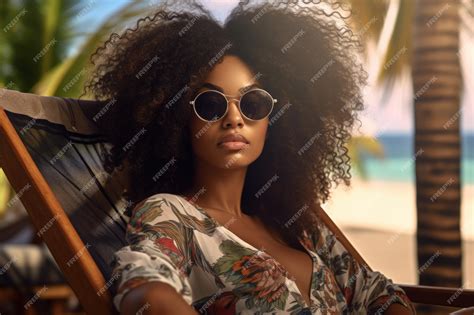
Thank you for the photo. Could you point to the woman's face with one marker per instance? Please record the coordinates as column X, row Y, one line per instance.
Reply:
column 229, row 77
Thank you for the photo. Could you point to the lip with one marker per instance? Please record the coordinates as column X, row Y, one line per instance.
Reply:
column 233, row 145
column 234, row 137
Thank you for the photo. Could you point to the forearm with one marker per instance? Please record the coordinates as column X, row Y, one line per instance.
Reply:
column 398, row 309
column 155, row 298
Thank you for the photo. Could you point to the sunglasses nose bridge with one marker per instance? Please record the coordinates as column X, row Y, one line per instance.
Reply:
column 234, row 101
column 233, row 106
column 231, row 98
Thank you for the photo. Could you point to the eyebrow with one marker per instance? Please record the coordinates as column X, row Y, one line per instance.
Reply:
column 241, row 90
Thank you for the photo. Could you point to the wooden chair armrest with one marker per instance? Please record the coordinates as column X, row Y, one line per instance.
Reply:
column 455, row 297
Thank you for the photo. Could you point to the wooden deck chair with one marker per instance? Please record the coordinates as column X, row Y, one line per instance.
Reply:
column 50, row 150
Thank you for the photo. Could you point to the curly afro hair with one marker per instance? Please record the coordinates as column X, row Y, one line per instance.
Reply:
column 304, row 53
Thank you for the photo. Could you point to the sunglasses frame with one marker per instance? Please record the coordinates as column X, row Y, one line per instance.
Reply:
column 238, row 100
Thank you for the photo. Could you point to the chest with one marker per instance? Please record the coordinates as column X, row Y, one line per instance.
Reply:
column 297, row 262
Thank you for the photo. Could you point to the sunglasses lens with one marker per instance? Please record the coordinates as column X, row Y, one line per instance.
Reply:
column 256, row 104
column 210, row 105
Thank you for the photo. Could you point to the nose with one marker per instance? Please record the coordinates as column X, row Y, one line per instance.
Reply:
column 233, row 117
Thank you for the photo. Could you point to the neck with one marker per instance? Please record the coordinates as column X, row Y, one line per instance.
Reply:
column 218, row 189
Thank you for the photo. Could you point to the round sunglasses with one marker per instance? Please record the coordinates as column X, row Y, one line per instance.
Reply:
column 212, row 105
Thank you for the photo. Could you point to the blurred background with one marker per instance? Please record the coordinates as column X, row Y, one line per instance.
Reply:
column 391, row 212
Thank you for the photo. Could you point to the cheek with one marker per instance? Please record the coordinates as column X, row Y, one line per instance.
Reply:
column 261, row 132
column 200, row 134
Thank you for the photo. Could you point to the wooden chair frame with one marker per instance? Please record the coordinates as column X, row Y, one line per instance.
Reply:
column 58, row 294
column 84, row 276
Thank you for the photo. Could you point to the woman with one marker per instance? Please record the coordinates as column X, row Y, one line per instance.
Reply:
column 232, row 136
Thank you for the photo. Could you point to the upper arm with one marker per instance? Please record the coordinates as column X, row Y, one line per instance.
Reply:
column 158, row 249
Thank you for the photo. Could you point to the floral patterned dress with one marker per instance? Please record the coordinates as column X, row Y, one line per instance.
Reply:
column 173, row 240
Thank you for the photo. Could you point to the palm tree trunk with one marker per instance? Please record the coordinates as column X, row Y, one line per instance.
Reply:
column 437, row 83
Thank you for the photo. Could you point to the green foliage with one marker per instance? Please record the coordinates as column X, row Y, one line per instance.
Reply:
column 37, row 35
column 33, row 39
column 363, row 145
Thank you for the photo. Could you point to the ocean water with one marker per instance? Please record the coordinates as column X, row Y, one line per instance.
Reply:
column 399, row 161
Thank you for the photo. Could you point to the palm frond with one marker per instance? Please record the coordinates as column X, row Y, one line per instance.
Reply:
column 361, row 146
column 368, row 17
column 398, row 52
column 67, row 79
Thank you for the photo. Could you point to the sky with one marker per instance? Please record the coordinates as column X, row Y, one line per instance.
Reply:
column 393, row 116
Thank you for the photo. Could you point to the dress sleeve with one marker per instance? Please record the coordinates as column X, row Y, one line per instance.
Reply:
column 157, row 249
column 365, row 291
